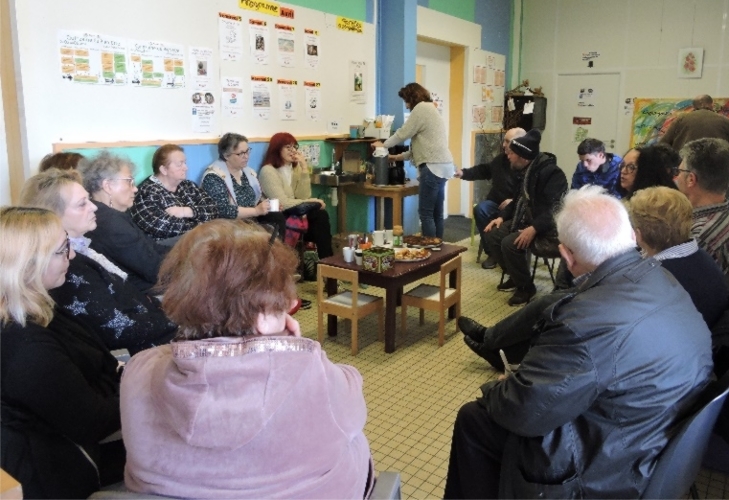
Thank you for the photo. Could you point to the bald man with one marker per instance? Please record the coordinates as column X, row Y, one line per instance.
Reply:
column 700, row 123
column 504, row 182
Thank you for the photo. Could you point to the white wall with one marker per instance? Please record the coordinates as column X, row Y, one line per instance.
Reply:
column 4, row 167
column 436, row 78
column 449, row 30
column 639, row 39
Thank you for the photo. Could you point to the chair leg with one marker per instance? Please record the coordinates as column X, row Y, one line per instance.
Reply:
column 441, row 327
column 458, row 314
column 480, row 250
column 473, row 233
column 422, row 317
column 355, row 345
column 534, row 267
column 321, row 325
column 381, row 325
column 694, row 492
column 550, row 266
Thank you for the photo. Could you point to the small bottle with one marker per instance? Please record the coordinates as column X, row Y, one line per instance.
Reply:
column 397, row 236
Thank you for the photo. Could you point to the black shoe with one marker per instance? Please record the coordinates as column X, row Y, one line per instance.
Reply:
column 488, row 263
column 305, row 304
column 506, row 286
column 492, row 357
column 471, row 328
column 522, row 296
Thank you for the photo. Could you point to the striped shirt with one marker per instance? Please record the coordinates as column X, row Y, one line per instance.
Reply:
column 711, row 230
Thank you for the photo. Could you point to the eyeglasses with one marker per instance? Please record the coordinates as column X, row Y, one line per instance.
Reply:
column 243, row 153
column 291, row 147
column 65, row 249
column 677, row 170
column 129, row 180
column 630, row 167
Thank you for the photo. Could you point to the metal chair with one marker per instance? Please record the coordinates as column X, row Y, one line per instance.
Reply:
column 680, row 461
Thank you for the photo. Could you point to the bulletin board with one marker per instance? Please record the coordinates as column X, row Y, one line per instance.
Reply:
column 653, row 116
column 59, row 110
column 486, row 84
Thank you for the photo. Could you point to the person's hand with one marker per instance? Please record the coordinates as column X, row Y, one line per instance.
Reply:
column 504, row 203
column 292, row 326
column 377, row 144
column 263, row 207
column 321, row 202
column 180, row 212
column 458, row 174
column 394, row 157
column 496, row 223
column 525, row 238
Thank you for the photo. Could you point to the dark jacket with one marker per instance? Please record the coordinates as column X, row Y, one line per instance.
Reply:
column 595, row 398
column 119, row 239
column 60, row 390
column 697, row 124
column 504, row 180
column 543, row 187
column 120, row 314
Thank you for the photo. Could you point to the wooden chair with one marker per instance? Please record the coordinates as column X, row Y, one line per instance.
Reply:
column 350, row 305
column 435, row 298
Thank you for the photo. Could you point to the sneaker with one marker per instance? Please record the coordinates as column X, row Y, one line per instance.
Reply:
column 471, row 328
column 522, row 296
column 305, row 304
column 506, row 286
column 488, row 263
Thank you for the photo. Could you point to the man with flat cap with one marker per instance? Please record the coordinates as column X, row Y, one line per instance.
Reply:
column 529, row 218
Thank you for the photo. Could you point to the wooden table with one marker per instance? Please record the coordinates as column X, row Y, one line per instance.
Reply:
column 395, row 193
column 393, row 281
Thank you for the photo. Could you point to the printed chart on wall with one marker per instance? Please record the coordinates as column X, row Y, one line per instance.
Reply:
column 157, row 64
column 261, row 95
column 487, row 90
column 312, row 90
column 92, row 58
column 653, row 116
column 230, row 37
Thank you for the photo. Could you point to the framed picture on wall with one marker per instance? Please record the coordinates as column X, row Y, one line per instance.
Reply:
column 690, row 62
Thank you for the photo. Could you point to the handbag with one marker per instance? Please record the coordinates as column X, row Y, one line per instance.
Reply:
column 295, row 227
column 302, row 208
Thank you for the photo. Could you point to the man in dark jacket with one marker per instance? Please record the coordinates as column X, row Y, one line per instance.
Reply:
column 528, row 217
column 700, row 123
column 504, row 182
column 593, row 403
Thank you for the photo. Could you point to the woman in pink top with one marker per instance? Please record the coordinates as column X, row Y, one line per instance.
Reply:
column 240, row 405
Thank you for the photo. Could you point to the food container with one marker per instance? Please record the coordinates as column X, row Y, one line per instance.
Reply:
column 378, row 259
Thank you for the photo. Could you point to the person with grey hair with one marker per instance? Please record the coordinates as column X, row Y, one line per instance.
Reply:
column 589, row 410
column 110, row 181
column 703, row 176
column 700, row 123
column 234, row 186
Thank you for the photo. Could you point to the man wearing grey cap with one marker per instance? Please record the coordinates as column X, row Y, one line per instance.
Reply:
column 529, row 218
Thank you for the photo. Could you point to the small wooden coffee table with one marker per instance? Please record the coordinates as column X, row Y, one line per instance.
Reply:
column 393, row 281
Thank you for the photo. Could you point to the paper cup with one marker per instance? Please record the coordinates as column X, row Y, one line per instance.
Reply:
column 378, row 238
column 348, row 254
column 388, row 235
column 274, row 205
column 358, row 257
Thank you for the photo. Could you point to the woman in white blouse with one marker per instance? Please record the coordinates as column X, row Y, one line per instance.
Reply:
column 285, row 176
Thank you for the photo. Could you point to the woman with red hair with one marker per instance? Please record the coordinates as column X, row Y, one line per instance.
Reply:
column 285, row 176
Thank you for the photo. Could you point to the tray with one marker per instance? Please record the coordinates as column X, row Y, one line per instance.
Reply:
column 415, row 245
column 411, row 260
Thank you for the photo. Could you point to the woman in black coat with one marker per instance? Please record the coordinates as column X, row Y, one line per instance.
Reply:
column 96, row 291
column 59, row 385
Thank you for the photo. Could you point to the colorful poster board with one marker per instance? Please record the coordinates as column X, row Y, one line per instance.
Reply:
column 653, row 116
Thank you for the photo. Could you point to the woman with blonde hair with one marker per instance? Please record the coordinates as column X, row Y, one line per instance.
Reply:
column 245, row 405
column 97, row 291
column 59, row 383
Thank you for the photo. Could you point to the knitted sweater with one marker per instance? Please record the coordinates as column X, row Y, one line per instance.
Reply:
column 428, row 133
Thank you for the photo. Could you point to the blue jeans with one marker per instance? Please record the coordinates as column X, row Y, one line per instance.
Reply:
column 430, row 203
column 485, row 212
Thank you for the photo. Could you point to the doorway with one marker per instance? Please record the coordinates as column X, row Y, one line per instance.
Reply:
column 586, row 106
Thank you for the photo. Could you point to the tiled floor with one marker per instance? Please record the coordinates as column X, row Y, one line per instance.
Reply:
column 413, row 394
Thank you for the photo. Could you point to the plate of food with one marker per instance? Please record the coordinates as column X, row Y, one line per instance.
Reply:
column 411, row 254
column 422, row 241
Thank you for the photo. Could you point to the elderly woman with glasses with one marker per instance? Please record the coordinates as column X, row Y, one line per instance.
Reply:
column 234, row 186
column 59, row 383
column 647, row 166
column 285, row 176
column 97, row 291
column 167, row 204
column 109, row 180
column 246, row 406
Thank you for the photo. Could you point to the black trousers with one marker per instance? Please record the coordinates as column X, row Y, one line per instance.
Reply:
column 478, row 444
column 514, row 261
column 320, row 232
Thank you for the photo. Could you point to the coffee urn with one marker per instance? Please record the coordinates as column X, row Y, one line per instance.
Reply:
column 382, row 171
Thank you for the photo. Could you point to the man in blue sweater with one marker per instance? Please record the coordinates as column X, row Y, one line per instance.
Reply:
column 597, row 167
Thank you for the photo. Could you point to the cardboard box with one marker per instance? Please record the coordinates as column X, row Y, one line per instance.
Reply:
column 378, row 259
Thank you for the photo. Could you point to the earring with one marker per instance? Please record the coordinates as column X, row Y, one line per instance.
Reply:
column 111, row 202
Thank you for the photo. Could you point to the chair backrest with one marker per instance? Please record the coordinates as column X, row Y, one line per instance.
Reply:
column 324, row 272
column 452, row 265
column 680, row 461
